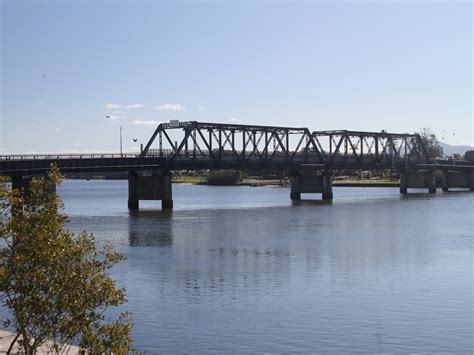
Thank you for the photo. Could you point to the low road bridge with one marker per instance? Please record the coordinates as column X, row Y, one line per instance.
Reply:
column 310, row 158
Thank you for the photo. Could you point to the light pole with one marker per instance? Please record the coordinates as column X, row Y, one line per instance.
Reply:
column 121, row 155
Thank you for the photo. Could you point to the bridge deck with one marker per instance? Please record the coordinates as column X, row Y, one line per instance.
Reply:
column 96, row 163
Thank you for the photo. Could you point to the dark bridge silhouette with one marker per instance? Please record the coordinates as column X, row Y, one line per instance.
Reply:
column 308, row 157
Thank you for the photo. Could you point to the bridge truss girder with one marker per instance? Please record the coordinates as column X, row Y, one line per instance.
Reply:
column 371, row 149
column 240, row 143
column 269, row 146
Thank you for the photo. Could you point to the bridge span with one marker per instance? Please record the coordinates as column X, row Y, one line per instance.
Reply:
column 310, row 158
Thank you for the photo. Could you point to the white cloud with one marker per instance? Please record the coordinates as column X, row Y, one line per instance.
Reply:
column 116, row 115
column 201, row 108
column 146, row 122
column 112, row 106
column 127, row 106
column 83, row 151
column 75, row 151
column 58, row 129
column 130, row 106
column 233, row 119
column 113, row 117
column 131, row 148
column 171, row 107
column 78, row 145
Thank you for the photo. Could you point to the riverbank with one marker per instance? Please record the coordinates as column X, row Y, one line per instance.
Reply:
column 7, row 337
column 366, row 183
column 255, row 182
column 189, row 179
column 338, row 183
column 276, row 182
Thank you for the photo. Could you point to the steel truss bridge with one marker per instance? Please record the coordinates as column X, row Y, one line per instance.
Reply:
column 245, row 146
column 198, row 145
column 298, row 151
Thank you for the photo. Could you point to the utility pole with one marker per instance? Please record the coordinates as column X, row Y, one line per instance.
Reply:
column 121, row 154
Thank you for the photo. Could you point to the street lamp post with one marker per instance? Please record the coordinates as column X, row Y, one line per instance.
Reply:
column 121, row 154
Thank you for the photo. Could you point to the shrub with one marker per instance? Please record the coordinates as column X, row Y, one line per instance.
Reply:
column 223, row 177
column 56, row 284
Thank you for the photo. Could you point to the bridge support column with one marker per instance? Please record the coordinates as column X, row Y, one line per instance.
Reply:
column 154, row 186
column 21, row 182
column 418, row 180
column 403, row 182
column 458, row 179
column 431, row 181
column 327, row 187
column 302, row 183
column 444, row 182
column 166, row 191
column 132, row 190
column 295, row 194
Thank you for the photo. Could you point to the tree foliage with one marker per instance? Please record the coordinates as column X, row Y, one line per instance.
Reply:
column 223, row 177
column 469, row 155
column 54, row 283
column 432, row 144
column 456, row 156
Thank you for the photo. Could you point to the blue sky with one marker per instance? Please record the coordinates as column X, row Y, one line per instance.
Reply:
column 66, row 66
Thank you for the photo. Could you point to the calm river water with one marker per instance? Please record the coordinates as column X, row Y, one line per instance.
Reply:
column 242, row 269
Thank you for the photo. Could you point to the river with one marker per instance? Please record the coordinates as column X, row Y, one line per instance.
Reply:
column 243, row 269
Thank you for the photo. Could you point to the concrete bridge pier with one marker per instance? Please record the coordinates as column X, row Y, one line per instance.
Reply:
column 21, row 182
column 314, row 183
column 152, row 186
column 458, row 179
column 418, row 180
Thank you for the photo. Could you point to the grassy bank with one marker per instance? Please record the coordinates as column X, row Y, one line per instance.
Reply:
column 366, row 182
column 189, row 179
column 202, row 180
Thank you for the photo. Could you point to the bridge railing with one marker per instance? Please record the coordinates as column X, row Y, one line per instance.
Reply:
column 341, row 159
column 67, row 156
column 229, row 155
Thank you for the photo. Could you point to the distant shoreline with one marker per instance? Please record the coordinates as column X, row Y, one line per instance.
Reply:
column 349, row 183
column 196, row 180
column 337, row 183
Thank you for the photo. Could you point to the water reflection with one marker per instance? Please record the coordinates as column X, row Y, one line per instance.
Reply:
column 150, row 228
column 311, row 202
